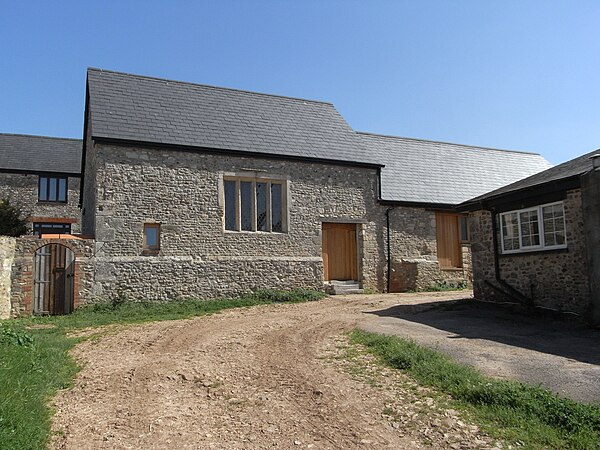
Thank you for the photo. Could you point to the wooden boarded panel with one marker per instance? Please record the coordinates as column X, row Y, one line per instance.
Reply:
column 448, row 244
column 339, row 251
column 53, row 281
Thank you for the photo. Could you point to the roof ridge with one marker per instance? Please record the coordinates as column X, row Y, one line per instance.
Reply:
column 245, row 91
column 447, row 143
column 42, row 136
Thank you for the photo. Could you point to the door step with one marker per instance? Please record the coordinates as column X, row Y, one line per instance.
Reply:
column 335, row 287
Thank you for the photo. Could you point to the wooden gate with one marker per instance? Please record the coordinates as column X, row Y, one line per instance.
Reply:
column 339, row 251
column 53, row 283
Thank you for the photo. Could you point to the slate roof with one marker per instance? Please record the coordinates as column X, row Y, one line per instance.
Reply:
column 144, row 109
column 424, row 171
column 40, row 153
column 572, row 168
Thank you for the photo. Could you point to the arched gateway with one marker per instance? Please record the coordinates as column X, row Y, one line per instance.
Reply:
column 53, row 285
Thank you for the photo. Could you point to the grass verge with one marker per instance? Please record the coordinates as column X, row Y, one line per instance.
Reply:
column 35, row 363
column 529, row 416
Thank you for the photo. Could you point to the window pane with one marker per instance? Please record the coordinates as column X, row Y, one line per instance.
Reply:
column 43, row 194
column 151, row 236
column 62, row 189
column 554, row 225
column 52, row 190
column 510, row 232
column 246, row 205
column 530, row 235
column 464, row 229
column 230, row 209
column 276, row 222
column 261, row 206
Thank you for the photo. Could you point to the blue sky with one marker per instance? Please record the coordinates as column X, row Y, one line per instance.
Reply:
column 520, row 75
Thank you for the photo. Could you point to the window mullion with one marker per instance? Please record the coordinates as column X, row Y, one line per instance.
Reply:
column 541, row 227
column 238, row 206
column 253, row 203
column 269, row 209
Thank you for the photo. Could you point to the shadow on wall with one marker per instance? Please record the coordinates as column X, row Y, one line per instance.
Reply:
column 541, row 331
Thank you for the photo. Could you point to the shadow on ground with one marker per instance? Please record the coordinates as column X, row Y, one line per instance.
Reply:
column 539, row 330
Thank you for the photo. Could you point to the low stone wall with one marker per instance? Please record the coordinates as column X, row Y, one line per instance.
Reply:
column 7, row 256
column 22, row 271
column 169, row 278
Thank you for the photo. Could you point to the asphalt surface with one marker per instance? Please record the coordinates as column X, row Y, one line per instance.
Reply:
column 560, row 353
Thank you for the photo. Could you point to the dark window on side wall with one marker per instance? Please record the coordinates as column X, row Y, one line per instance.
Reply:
column 464, row 229
column 52, row 189
column 51, row 228
column 152, row 236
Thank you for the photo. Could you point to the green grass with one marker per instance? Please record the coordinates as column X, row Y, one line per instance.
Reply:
column 35, row 363
column 512, row 411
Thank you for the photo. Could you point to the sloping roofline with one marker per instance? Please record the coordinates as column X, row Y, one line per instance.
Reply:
column 562, row 177
column 27, row 153
column 476, row 147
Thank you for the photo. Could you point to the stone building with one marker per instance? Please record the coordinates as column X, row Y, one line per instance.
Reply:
column 537, row 241
column 41, row 175
column 199, row 191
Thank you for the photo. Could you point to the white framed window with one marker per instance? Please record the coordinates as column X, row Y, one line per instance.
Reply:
column 255, row 204
column 537, row 228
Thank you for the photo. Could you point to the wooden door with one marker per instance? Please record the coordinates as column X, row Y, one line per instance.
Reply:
column 339, row 251
column 53, row 280
column 448, row 243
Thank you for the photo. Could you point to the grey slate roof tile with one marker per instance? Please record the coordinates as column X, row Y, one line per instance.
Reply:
column 40, row 153
column 574, row 167
column 443, row 173
column 139, row 108
column 145, row 109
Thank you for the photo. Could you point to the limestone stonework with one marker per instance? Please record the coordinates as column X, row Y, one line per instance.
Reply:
column 183, row 192
column 413, row 246
column 7, row 256
column 22, row 190
column 555, row 279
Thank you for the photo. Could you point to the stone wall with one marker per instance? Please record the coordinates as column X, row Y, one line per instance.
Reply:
column 590, row 187
column 197, row 258
column 7, row 256
column 22, row 190
column 555, row 279
column 413, row 246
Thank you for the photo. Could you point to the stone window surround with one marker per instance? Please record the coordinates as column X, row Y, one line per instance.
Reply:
column 256, row 176
column 47, row 178
column 536, row 248
column 151, row 250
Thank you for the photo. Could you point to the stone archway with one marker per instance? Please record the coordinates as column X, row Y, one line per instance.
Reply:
column 53, row 279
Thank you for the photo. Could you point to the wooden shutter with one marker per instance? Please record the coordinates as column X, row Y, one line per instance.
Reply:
column 448, row 243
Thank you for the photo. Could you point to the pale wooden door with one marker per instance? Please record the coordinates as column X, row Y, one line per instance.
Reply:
column 339, row 251
column 448, row 243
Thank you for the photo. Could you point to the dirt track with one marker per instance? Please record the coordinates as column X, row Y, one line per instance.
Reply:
column 264, row 377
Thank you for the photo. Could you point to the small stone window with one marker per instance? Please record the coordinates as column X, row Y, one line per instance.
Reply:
column 52, row 189
column 530, row 229
column 151, row 238
column 254, row 204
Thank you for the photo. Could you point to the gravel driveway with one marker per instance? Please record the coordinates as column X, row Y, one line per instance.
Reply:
column 275, row 376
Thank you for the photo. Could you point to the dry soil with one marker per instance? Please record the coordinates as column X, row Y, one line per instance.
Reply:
column 274, row 376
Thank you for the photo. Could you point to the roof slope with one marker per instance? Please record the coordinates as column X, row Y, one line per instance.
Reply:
column 40, row 153
column 572, row 168
column 145, row 109
column 442, row 173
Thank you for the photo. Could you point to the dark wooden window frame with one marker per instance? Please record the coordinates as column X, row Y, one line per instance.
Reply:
column 269, row 182
column 37, row 227
column 46, row 179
